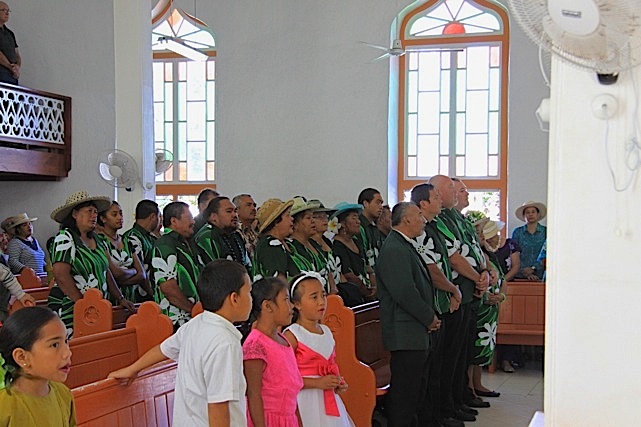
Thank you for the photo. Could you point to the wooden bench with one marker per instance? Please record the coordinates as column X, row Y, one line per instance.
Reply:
column 522, row 316
column 34, row 286
column 28, row 279
column 94, row 356
column 358, row 339
column 148, row 401
column 93, row 314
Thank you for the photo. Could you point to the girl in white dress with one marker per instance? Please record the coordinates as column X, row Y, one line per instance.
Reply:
column 319, row 402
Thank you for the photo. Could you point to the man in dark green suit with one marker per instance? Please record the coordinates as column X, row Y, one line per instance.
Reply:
column 407, row 317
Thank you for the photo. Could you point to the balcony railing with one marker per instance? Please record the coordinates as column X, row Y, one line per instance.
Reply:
column 35, row 134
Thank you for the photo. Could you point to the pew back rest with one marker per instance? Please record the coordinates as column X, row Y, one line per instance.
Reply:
column 148, row 401
column 369, row 342
column 522, row 315
column 41, row 295
column 94, row 356
column 28, row 279
column 93, row 314
column 360, row 397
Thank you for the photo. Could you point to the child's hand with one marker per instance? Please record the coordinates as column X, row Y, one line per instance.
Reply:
column 342, row 387
column 124, row 375
column 28, row 301
column 329, row 382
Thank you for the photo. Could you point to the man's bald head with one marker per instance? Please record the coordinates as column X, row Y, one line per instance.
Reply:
column 444, row 185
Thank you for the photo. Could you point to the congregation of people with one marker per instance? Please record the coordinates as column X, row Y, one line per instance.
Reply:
column 439, row 275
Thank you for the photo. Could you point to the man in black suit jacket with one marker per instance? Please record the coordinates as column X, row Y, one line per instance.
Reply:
column 407, row 317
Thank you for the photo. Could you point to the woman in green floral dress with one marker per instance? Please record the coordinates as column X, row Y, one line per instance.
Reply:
column 488, row 313
column 274, row 254
column 80, row 260
column 125, row 267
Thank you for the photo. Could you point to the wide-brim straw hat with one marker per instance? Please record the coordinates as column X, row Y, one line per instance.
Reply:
column 60, row 213
column 17, row 220
column 321, row 207
column 492, row 228
column 344, row 207
column 270, row 210
column 300, row 205
column 538, row 205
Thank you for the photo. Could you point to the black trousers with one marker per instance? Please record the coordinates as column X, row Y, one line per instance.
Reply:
column 452, row 341
column 407, row 402
column 459, row 382
column 437, row 357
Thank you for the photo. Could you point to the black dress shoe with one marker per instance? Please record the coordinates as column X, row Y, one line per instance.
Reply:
column 477, row 402
column 487, row 393
column 468, row 410
column 462, row 416
column 452, row 422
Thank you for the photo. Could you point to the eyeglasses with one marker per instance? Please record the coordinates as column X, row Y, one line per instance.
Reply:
column 5, row 10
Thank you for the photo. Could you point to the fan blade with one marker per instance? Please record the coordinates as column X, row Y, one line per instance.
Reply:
column 385, row 55
column 375, row 46
column 104, row 172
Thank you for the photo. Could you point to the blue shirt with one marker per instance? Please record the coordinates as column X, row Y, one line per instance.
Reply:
column 531, row 245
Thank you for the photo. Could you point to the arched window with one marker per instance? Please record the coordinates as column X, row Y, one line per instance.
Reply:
column 184, row 92
column 452, row 98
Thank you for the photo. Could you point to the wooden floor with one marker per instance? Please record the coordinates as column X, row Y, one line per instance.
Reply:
column 521, row 396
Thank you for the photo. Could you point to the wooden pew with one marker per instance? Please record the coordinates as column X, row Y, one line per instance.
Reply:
column 522, row 316
column 41, row 296
column 148, row 401
column 28, row 279
column 94, row 356
column 360, row 397
column 93, row 314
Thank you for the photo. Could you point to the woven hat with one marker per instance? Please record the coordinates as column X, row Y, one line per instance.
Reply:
column 344, row 207
column 477, row 218
column 321, row 207
column 269, row 211
column 538, row 205
column 17, row 220
column 300, row 205
column 5, row 223
column 492, row 228
column 61, row 212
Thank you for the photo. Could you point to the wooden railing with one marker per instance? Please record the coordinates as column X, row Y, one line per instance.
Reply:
column 35, row 134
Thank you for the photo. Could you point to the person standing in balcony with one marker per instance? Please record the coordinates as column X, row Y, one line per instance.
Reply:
column 10, row 60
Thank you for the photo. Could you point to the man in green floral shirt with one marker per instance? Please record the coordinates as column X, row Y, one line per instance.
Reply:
column 141, row 242
column 370, row 238
column 175, row 264
column 220, row 238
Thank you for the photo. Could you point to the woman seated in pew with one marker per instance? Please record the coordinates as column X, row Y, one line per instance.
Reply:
column 124, row 265
column 274, row 255
column 80, row 259
column 353, row 262
column 24, row 250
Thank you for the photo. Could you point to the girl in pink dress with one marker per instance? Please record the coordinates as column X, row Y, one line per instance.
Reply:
column 313, row 343
column 273, row 380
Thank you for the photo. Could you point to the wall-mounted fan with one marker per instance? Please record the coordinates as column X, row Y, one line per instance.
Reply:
column 601, row 35
column 164, row 161
column 118, row 168
column 397, row 49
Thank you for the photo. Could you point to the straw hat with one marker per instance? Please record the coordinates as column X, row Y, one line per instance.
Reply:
column 344, row 207
column 477, row 218
column 300, row 205
column 492, row 228
column 321, row 207
column 5, row 223
column 17, row 220
column 269, row 211
column 538, row 205
column 61, row 212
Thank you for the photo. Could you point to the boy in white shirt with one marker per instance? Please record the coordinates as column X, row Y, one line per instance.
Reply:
column 210, row 386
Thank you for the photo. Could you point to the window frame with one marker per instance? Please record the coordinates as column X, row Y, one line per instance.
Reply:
column 404, row 183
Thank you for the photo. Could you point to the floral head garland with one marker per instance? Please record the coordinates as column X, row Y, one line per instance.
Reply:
column 304, row 276
column 475, row 216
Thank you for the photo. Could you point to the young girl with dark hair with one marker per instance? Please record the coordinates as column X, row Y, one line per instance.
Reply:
column 35, row 360
column 273, row 380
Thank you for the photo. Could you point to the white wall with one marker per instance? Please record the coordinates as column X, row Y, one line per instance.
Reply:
column 301, row 110
column 593, row 292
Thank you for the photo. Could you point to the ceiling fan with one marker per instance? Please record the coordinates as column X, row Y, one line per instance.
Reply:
column 397, row 49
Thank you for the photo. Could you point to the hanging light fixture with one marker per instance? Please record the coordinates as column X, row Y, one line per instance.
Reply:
column 178, row 46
